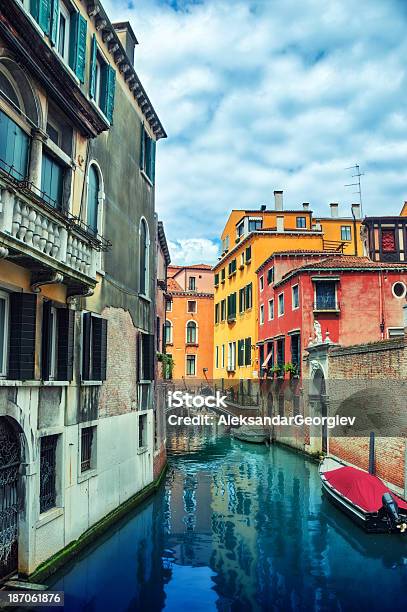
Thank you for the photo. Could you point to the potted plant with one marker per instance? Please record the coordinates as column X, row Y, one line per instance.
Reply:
column 291, row 369
column 276, row 371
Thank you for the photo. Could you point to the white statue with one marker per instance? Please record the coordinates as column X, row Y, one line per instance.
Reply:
column 317, row 333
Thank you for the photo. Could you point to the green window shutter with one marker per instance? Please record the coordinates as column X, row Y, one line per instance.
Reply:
column 35, row 9
column 108, row 91
column 248, row 351
column 77, row 49
column 44, row 15
column 142, row 147
column 92, row 72
column 54, row 21
column 152, row 161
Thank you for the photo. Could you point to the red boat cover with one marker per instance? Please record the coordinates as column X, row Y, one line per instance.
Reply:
column 361, row 488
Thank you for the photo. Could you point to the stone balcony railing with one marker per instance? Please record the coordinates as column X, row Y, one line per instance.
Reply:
column 41, row 234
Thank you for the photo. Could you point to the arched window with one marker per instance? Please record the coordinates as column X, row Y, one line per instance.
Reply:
column 144, row 258
column 192, row 332
column 9, row 90
column 93, row 199
column 168, row 332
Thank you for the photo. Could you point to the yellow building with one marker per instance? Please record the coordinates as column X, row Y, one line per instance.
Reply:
column 248, row 239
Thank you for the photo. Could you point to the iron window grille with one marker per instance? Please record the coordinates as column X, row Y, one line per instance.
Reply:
column 48, row 473
column 325, row 296
column 86, row 448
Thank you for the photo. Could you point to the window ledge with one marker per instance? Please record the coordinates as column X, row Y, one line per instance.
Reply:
column 5, row 382
column 56, row 383
column 146, row 178
column 99, row 111
column 91, row 383
column 142, row 449
column 87, row 475
column 144, row 297
column 333, row 310
column 48, row 516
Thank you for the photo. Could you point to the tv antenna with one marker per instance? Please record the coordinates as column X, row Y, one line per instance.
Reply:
column 357, row 175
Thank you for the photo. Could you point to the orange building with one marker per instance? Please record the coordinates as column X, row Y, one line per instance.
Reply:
column 189, row 322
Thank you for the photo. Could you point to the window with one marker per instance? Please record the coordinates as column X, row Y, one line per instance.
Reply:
column 248, row 351
column 301, row 222
column 216, row 283
column 87, row 434
column 346, row 232
column 4, row 318
column 271, row 309
column 94, row 347
column 191, row 365
column 240, row 353
column 217, row 311
column 145, row 346
column 223, row 310
column 242, row 300
column 57, row 350
column 280, row 352
column 192, row 283
column 240, row 229
column 14, row 145
column 148, row 155
column 295, row 350
column 249, row 296
column 223, row 275
column 394, row 332
column 325, row 295
column 223, row 355
column 261, row 283
column 255, row 224
column 192, row 332
column 191, row 306
column 281, row 304
column 9, row 89
column 52, row 177
column 295, row 297
column 248, row 254
column 399, row 289
column 232, row 267
column 232, row 307
column 93, row 199
column 102, row 81
column 63, row 32
column 225, row 243
column 168, row 332
column 242, row 260
column 388, row 241
column 48, row 494
column 168, row 305
column 232, row 356
column 270, row 276
column 261, row 314
column 142, row 431
column 144, row 251
column 216, row 357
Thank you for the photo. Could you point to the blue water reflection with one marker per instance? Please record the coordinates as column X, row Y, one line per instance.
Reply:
column 237, row 528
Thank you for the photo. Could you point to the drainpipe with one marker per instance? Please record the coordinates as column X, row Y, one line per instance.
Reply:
column 372, row 466
column 381, row 306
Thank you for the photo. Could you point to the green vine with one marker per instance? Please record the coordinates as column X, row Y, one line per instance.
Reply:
column 167, row 365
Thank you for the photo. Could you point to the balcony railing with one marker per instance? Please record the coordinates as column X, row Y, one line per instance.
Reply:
column 34, row 229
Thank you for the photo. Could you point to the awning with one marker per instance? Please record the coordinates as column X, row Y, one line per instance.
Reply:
column 265, row 362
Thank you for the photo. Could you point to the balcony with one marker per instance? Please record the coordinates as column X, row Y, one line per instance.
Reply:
column 44, row 239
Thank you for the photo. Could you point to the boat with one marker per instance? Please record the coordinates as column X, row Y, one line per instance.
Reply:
column 255, row 435
column 364, row 497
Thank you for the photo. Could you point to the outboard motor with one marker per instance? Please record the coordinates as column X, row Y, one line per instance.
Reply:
column 391, row 509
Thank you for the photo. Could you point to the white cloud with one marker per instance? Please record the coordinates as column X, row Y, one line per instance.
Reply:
column 257, row 96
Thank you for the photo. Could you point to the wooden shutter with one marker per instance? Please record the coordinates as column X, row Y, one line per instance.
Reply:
column 248, row 351
column 23, row 310
column 99, row 346
column 77, row 50
column 152, row 161
column 54, row 21
column 41, row 11
column 108, row 86
column 65, row 356
column 86, row 333
column 92, row 69
column 147, row 346
column 46, row 341
column 240, row 352
column 142, row 148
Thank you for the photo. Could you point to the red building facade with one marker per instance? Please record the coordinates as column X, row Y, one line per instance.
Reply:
column 314, row 297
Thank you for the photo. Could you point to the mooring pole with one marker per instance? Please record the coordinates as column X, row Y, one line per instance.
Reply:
column 372, row 467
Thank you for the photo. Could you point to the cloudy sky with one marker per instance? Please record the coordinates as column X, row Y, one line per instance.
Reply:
column 258, row 95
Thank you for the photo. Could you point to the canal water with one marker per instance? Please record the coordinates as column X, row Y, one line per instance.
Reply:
column 237, row 527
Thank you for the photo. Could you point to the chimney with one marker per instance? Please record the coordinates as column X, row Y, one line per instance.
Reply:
column 356, row 211
column 334, row 209
column 278, row 199
column 263, row 207
column 280, row 224
column 127, row 37
column 305, row 205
